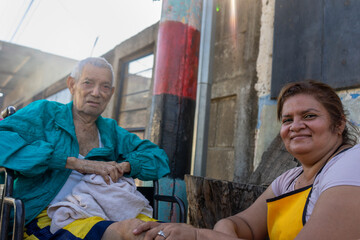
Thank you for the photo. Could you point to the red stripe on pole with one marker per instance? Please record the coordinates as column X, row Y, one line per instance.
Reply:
column 177, row 60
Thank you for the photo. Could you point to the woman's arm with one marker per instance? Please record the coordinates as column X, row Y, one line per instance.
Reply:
column 250, row 223
column 179, row 231
column 336, row 215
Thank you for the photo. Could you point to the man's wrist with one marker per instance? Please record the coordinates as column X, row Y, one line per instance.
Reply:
column 70, row 162
column 126, row 167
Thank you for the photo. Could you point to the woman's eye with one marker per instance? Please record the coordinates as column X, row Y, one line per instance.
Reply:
column 309, row 116
column 286, row 120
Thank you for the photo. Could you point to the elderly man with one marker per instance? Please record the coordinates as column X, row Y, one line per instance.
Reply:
column 51, row 145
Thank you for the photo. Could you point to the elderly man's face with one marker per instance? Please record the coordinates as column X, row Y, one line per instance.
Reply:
column 92, row 92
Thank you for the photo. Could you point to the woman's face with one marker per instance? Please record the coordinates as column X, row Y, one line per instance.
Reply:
column 306, row 128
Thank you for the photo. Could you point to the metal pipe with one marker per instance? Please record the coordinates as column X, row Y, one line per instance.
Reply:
column 203, row 95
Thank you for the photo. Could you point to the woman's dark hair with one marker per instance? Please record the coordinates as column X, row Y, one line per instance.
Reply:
column 328, row 98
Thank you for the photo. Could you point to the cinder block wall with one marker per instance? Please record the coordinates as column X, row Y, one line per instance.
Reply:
column 234, row 100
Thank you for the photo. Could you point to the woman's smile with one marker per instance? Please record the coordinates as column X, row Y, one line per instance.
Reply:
column 300, row 137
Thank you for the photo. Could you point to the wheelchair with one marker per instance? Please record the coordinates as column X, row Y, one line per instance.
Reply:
column 9, row 203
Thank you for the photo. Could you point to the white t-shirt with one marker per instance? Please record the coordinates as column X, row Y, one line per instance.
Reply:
column 74, row 178
column 343, row 169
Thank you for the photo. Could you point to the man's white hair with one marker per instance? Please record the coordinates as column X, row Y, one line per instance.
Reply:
column 95, row 61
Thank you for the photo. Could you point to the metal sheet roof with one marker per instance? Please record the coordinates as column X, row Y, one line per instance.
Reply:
column 19, row 64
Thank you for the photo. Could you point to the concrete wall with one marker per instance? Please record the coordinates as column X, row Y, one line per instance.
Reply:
column 267, row 126
column 234, row 102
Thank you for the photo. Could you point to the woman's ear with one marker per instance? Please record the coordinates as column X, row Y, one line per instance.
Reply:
column 341, row 126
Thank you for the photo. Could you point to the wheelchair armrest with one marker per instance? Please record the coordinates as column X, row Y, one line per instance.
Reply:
column 8, row 111
column 19, row 216
column 152, row 194
column 7, row 201
column 173, row 199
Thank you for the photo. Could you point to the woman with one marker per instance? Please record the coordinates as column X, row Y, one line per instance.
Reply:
column 318, row 200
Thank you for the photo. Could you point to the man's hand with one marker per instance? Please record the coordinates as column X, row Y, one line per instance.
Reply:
column 108, row 170
column 123, row 230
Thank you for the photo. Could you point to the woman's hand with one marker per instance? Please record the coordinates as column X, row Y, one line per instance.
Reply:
column 171, row 231
column 108, row 170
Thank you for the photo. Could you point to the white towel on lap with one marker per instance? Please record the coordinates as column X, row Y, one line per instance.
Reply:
column 93, row 197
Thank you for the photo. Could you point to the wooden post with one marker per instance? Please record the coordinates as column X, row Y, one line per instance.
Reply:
column 211, row 200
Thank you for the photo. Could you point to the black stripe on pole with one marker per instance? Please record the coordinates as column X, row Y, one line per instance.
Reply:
column 176, row 131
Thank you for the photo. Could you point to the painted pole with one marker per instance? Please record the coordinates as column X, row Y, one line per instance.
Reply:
column 174, row 93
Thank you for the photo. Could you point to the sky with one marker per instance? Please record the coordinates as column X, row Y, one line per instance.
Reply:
column 75, row 28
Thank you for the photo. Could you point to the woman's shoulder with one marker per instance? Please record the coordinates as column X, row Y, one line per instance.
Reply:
column 347, row 157
column 284, row 183
column 343, row 169
column 354, row 149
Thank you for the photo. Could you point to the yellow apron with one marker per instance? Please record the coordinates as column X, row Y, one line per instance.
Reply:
column 286, row 214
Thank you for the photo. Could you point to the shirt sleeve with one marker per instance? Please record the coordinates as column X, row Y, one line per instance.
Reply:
column 342, row 170
column 28, row 159
column 147, row 160
column 23, row 147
